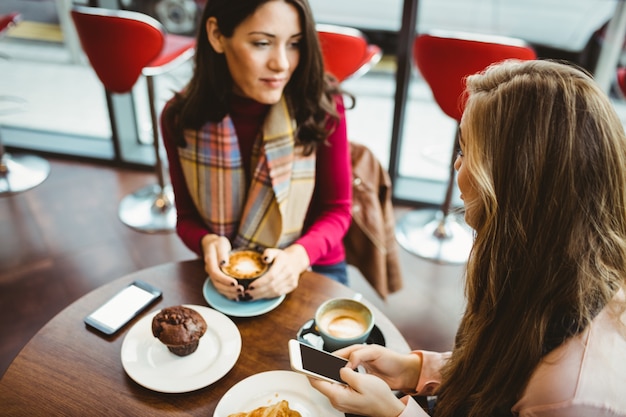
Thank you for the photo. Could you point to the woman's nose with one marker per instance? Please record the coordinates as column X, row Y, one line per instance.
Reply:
column 280, row 60
column 457, row 162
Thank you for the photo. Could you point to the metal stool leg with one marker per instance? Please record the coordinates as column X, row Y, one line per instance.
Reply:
column 20, row 172
column 151, row 209
column 437, row 234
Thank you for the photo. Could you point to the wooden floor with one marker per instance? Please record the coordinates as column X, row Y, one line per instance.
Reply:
column 63, row 239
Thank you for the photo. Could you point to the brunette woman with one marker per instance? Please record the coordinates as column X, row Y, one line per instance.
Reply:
column 257, row 147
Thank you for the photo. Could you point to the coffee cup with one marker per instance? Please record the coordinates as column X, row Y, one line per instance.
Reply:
column 343, row 322
column 245, row 265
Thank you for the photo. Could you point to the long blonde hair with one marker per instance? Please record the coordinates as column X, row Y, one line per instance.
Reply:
column 547, row 156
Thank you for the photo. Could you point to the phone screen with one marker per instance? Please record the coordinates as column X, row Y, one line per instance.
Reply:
column 321, row 362
column 122, row 307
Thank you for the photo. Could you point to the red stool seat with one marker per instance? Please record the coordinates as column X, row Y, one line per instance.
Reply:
column 445, row 61
column 9, row 20
column 134, row 44
column 346, row 51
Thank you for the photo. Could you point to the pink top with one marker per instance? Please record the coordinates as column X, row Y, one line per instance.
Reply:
column 585, row 376
column 329, row 214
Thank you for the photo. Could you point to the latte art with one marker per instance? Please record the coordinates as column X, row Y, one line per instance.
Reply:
column 345, row 326
column 245, row 268
column 245, row 264
column 343, row 323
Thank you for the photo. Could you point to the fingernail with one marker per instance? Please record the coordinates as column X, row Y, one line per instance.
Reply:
column 240, row 290
column 232, row 284
column 266, row 258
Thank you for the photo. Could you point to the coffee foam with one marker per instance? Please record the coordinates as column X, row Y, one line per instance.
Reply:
column 343, row 323
column 245, row 264
column 345, row 327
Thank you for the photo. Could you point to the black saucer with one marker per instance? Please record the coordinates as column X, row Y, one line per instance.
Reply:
column 308, row 334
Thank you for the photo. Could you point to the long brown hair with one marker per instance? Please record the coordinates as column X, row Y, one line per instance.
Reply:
column 207, row 95
column 547, row 156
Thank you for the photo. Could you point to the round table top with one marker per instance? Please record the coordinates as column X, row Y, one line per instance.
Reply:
column 69, row 369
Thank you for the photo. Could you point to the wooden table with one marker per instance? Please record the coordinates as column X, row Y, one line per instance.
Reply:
column 68, row 369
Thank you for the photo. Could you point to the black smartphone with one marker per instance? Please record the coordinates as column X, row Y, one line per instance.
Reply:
column 315, row 362
column 123, row 307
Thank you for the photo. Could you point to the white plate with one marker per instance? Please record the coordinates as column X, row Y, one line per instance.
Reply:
column 238, row 308
column 149, row 363
column 268, row 388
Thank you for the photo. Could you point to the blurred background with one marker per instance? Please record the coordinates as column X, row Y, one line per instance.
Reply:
column 41, row 61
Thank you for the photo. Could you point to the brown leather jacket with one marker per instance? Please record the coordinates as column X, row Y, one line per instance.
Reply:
column 370, row 242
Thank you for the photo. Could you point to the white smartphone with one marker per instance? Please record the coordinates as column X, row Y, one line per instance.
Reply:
column 315, row 362
column 123, row 307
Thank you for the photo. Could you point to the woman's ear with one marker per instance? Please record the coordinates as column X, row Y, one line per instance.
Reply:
column 214, row 35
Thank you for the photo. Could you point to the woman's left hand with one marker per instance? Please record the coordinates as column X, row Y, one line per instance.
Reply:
column 364, row 395
column 283, row 275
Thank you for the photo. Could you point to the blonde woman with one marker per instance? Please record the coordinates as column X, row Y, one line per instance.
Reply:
column 542, row 173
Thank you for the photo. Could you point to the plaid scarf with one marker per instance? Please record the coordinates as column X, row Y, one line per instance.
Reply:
column 268, row 212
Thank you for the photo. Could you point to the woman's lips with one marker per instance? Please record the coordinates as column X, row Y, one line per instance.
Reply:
column 274, row 82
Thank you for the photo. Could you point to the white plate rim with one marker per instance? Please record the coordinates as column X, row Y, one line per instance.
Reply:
column 141, row 333
column 265, row 388
column 238, row 308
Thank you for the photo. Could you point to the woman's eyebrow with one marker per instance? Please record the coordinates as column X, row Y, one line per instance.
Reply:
column 262, row 33
column 272, row 35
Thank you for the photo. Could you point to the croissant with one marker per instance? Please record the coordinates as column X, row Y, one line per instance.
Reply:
column 280, row 409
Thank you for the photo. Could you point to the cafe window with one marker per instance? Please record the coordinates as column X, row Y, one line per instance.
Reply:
column 65, row 110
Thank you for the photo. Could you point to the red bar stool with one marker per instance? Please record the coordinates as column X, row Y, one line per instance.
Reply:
column 121, row 46
column 444, row 59
column 346, row 51
column 18, row 172
column 8, row 21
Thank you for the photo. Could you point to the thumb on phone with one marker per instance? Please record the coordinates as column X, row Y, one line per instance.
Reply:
column 348, row 375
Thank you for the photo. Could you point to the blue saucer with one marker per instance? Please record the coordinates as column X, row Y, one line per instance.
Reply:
column 238, row 308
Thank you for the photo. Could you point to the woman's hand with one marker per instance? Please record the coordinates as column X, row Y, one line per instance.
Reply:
column 370, row 393
column 365, row 394
column 399, row 371
column 216, row 250
column 283, row 275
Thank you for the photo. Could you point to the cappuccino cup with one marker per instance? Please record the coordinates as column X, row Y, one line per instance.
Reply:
column 245, row 265
column 343, row 322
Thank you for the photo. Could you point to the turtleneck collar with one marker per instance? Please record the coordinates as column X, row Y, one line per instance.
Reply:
column 247, row 107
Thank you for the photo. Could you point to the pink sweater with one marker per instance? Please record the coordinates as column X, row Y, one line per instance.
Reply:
column 329, row 215
column 585, row 376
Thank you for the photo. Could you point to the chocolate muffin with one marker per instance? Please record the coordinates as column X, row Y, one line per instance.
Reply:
column 179, row 328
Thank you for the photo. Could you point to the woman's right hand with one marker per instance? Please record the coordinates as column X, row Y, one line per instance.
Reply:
column 216, row 250
column 399, row 371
